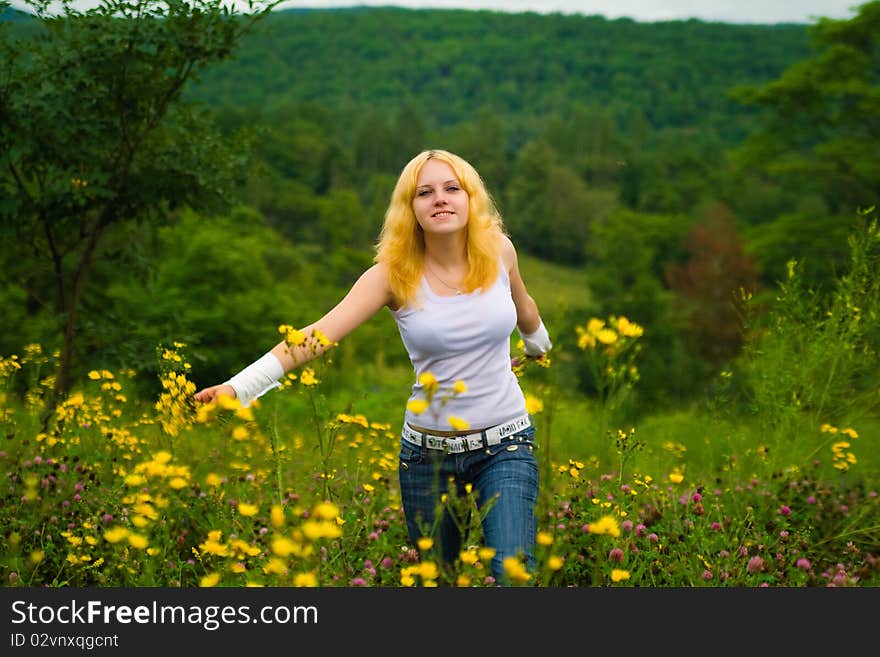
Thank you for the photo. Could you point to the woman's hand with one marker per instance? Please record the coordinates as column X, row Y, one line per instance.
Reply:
column 206, row 395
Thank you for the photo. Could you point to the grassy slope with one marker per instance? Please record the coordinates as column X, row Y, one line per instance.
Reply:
column 553, row 285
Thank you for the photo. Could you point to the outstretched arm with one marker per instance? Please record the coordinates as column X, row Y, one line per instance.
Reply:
column 365, row 298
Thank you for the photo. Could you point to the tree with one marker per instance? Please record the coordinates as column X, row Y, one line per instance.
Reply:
column 96, row 138
column 550, row 206
column 710, row 285
column 823, row 119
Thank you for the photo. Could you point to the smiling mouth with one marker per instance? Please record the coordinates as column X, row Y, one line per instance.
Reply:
column 443, row 213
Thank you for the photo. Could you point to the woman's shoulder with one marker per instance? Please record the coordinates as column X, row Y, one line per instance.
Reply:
column 378, row 275
column 507, row 251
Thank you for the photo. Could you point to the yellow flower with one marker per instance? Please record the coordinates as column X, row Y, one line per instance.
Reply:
column 618, row 575
column 307, row 378
column 275, row 566
column 417, row 406
column 210, row 580
column 606, row 336
column 555, row 562
column 246, row 414
column 605, row 525
column 214, row 546
column 137, row 541
column 516, row 571
column 277, row 515
column 115, row 534
column 468, row 557
column 228, row 403
column 248, row 510
column 457, row 423
column 428, row 570
column 595, row 325
column 134, row 480
column 428, row 381
column 321, row 338
column 459, row 387
column 676, row 477
column 305, row 579
column 628, row 328
column 315, row 530
column 283, row 546
column 585, row 339
column 425, row 543
column 544, row 538
column 291, row 335
column 533, row 405
column 326, row 511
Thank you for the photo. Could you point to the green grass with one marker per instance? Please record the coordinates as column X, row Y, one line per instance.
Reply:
column 555, row 286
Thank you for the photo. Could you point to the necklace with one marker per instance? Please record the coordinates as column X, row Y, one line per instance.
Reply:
column 445, row 284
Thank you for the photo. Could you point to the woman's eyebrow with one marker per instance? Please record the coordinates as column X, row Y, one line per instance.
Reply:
column 453, row 180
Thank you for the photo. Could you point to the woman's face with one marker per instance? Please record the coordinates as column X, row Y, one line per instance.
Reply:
column 440, row 203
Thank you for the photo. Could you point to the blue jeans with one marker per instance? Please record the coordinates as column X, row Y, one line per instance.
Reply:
column 504, row 476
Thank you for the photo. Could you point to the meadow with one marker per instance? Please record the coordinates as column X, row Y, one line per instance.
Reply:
column 772, row 488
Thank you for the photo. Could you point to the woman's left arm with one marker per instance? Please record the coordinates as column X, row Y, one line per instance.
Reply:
column 528, row 319
column 527, row 316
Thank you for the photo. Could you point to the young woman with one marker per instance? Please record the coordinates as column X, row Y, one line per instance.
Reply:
column 448, row 273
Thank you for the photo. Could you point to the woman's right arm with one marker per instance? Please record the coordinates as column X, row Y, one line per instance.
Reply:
column 365, row 298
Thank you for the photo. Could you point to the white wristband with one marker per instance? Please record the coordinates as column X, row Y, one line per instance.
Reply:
column 257, row 378
column 536, row 343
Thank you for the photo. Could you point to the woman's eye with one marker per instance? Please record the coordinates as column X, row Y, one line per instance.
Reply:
column 423, row 192
column 452, row 188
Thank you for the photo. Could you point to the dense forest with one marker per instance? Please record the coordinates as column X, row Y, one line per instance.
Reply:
column 671, row 164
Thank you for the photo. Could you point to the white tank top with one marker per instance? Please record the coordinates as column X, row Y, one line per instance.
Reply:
column 464, row 337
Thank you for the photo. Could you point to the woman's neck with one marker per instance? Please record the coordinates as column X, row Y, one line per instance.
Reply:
column 446, row 251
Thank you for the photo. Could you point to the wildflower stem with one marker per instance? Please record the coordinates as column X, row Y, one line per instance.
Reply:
column 276, row 456
column 853, row 532
column 316, row 422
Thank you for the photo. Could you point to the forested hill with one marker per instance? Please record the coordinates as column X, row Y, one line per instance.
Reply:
column 617, row 151
column 450, row 64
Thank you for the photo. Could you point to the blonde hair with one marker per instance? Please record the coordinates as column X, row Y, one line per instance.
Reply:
column 401, row 243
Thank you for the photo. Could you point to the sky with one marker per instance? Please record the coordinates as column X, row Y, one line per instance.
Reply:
column 727, row 11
